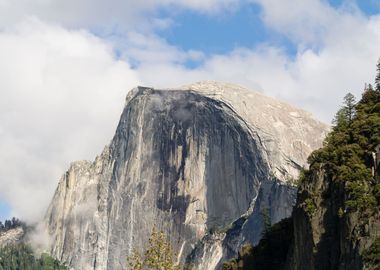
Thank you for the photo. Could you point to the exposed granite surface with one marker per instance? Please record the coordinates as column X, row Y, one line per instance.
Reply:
column 191, row 161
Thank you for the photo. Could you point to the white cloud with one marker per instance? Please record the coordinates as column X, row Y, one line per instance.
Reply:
column 148, row 48
column 337, row 50
column 109, row 15
column 315, row 81
column 61, row 95
column 302, row 20
column 61, row 90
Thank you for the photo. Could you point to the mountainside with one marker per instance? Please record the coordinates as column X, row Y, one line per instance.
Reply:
column 336, row 221
column 200, row 162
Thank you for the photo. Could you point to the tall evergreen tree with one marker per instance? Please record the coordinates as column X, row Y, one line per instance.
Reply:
column 377, row 79
column 340, row 120
column 350, row 102
column 265, row 215
column 346, row 113
column 158, row 255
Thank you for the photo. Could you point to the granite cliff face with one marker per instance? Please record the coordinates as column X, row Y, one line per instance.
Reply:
column 199, row 162
column 335, row 224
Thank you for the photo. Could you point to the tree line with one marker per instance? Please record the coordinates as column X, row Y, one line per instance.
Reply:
column 11, row 224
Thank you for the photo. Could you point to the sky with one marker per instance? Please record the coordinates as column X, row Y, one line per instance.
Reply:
column 67, row 65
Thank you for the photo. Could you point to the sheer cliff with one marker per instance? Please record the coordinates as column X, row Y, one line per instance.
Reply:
column 335, row 224
column 199, row 162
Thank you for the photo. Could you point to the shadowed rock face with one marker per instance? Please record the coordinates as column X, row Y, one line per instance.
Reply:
column 323, row 240
column 182, row 160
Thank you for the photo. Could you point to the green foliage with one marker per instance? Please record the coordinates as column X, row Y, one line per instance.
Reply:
column 340, row 212
column 49, row 263
column 303, row 177
column 349, row 108
column 347, row 153
column 359, row 196
column 158, row 255
column 346, row 161
column 310, row 207
column 244, row 260
column 340, row 120
column 372, row 255
column 11, row 224
column 376, row 192
column 346, row 114
column 21, row 257
column 265, row 216
column 269, row 254
column 377, row 79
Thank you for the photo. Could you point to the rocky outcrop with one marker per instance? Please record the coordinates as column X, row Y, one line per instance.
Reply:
column 11, row 236
column 199, row 162
column 324, row 237
column 275, row 199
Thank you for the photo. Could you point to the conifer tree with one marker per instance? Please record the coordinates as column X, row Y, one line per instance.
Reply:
column 266, row 219
column 158, row 255
column 377, row 79
column 350, row 102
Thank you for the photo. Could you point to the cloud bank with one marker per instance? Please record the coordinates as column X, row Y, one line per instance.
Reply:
column 103, row 15
column 336, row 53
column 61, row 95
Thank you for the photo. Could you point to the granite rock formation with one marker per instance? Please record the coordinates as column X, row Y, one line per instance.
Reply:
column 199, row 162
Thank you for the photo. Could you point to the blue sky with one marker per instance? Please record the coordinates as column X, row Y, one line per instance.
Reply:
column 217, row 34
column 4, row 211
column 240, row 27
column 369, row 7
column 86, row 55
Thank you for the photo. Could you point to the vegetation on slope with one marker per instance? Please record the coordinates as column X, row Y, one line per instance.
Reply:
column 372, row 255
column 349, row 154
column 21, row 257
column 350, row 161
column 158, row 255
column 10, row 224
column 269, row 254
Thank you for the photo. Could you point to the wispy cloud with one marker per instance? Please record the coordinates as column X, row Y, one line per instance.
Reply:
column 107, row 15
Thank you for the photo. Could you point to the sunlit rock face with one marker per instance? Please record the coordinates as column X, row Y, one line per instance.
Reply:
column 200, row 162
column 12, row 236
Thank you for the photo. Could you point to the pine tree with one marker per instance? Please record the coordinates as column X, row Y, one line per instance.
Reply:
column 350, row 102
column 340, row 120
column 265, row 216
column 343, row 118
column 158, row 255
column 377, row 79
